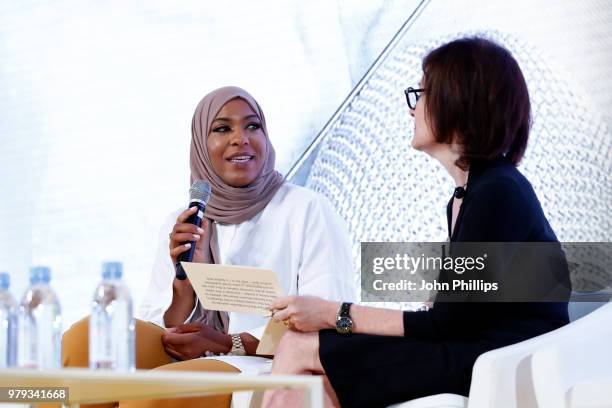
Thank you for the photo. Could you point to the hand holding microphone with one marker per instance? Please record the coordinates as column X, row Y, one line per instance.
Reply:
column 188, row 237
column 185, row 235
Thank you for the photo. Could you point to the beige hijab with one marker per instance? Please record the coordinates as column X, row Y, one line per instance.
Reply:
column 228, row 205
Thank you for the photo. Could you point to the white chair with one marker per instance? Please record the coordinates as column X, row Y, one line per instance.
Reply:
column 584, row 303
column 597, row 393
column 503, row 377
column 569, row 372
column 435, row 401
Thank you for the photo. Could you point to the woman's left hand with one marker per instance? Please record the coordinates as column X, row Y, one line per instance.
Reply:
column 305, row 313
column 188, row 341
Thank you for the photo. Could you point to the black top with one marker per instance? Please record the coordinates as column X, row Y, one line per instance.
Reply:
column 440, row 345
column 500, row 206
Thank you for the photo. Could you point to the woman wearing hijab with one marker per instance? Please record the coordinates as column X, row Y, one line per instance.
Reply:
column 253, row 218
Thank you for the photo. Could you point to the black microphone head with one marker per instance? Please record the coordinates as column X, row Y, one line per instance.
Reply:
column 200, row 191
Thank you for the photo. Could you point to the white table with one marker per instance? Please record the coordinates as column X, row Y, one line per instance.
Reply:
column 86, row 386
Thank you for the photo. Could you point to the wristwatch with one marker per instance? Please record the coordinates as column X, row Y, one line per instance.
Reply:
column 237, row 346
column 344, row 323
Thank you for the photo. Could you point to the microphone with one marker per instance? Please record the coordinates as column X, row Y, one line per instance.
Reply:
column 199, row 194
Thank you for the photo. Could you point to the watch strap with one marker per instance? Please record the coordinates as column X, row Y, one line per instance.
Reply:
column 237, row 346
column 345, row 310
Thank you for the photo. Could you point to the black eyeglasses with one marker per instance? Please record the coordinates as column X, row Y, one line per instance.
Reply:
column 412, row 96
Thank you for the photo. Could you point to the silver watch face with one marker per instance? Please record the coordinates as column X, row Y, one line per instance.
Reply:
column 344, row 325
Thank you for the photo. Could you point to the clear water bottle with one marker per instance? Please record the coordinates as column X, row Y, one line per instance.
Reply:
column 39, row 324
column 111, row 325
column 8, row 323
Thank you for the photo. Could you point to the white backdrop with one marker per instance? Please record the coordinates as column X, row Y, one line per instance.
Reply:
column 96, row 100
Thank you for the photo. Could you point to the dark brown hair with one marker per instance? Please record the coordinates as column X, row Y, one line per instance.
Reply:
column 476, row 91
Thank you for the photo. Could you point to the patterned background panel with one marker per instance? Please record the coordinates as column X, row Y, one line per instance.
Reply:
column 386, row 191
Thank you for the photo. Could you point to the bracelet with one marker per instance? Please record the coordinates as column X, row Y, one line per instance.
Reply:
column 237, row 346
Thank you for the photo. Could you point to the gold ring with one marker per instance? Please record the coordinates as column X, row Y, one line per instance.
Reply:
column 286, row 322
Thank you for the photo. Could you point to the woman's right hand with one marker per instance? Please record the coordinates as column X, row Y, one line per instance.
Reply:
column 182, row 235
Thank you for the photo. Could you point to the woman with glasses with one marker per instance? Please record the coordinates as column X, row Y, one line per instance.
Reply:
column 472, row 114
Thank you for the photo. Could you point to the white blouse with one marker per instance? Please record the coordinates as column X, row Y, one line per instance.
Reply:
column 298, row 235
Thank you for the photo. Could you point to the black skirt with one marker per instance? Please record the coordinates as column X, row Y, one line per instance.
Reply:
column 377, row 371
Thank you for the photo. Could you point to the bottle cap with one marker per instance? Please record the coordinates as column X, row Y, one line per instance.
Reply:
column 112, row 270
column 5, row 281
column 40, row 274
